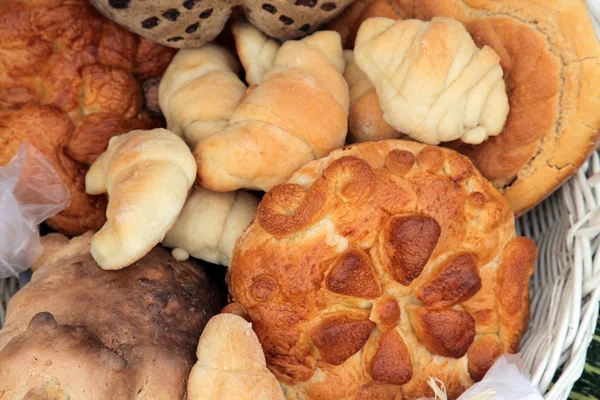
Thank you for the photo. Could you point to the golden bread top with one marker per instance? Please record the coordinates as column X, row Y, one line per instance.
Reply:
column 550, row 57
column 379, row 266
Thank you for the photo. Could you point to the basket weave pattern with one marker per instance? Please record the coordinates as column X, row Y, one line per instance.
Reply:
column 565, row 289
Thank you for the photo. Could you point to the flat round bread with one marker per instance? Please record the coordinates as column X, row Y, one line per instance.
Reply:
column 550, row 57
column 380, row 266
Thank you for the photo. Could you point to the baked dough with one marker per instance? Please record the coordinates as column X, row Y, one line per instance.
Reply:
column 78, row 332
column 147, row 176
column 380, row 266
column 433, row 83
column 550, row 57
column 209, row 224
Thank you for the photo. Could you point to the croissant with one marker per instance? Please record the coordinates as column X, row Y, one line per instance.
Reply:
column 199, row 92
column 297, row 112
column 231, row 364
column 255, row 50
column 432, row 81
column 209, row 225
column 147, row 175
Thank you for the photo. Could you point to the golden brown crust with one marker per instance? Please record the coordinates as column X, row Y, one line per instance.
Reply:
column 64, row 54
column 354, row 274
column 551, row 62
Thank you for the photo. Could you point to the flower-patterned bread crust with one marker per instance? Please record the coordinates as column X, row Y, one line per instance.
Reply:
column 380, row 266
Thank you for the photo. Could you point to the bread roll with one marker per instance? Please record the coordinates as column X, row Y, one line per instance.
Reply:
column 209, row 225
column 295, row 112
column 255, row 50
column 432, row 81
column 147, row 175
column 199, row 92
column 380, row 266
column 78, row 332
column 231, row 364
column 365, row 121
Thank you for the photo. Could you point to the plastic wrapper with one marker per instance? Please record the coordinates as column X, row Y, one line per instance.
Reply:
column 30, row 192
column 506, row 380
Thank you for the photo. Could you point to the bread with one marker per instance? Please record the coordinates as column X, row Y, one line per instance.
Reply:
column 281, row 121
column 51, row 243
column 76, row 74
column 365, row 120
column 548, row 52
column 76, row 331
column 380, row 266
column 209, row 225
column 256, row 51
column 147, row 175
column 238, row 135
column 433, row 83
column 199, row 92
column 193, row 23
column 231, row 364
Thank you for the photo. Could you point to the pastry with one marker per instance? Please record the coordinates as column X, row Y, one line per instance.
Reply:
column 78, row 332
column 435, row 85
column 147, row 175
column 242, row 135
column 209, row 224
column 193, row 23
column 380, row 266
column 65, row 61
column 548, row 52
column 231, row 364
column 199, row 92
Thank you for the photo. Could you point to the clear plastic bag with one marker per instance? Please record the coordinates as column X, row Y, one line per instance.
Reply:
column 506, row 380
column 30, row 192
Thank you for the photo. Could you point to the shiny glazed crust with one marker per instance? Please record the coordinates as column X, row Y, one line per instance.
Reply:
column 71, row 64
column 380, row 266
column 550, row 58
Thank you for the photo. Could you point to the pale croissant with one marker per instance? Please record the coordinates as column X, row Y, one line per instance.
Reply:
column 255, row 50
column 147, row 175
column 199, row 92
column 231, row 364
column 432, row 81
column 209, row 225
column 296, row 113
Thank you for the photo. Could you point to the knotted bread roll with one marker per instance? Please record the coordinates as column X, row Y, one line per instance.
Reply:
column 231, row 364
column 432, row 81
column 147, row 175
column 209, row 225
column 296, row 113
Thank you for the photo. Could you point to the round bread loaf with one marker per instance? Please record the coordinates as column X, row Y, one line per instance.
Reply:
column 78, row 332
column 380, row 266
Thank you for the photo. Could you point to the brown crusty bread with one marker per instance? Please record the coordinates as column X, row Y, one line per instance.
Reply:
column 78, row 332
column 550, row 58
column 68, row 83
column 380, row 266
